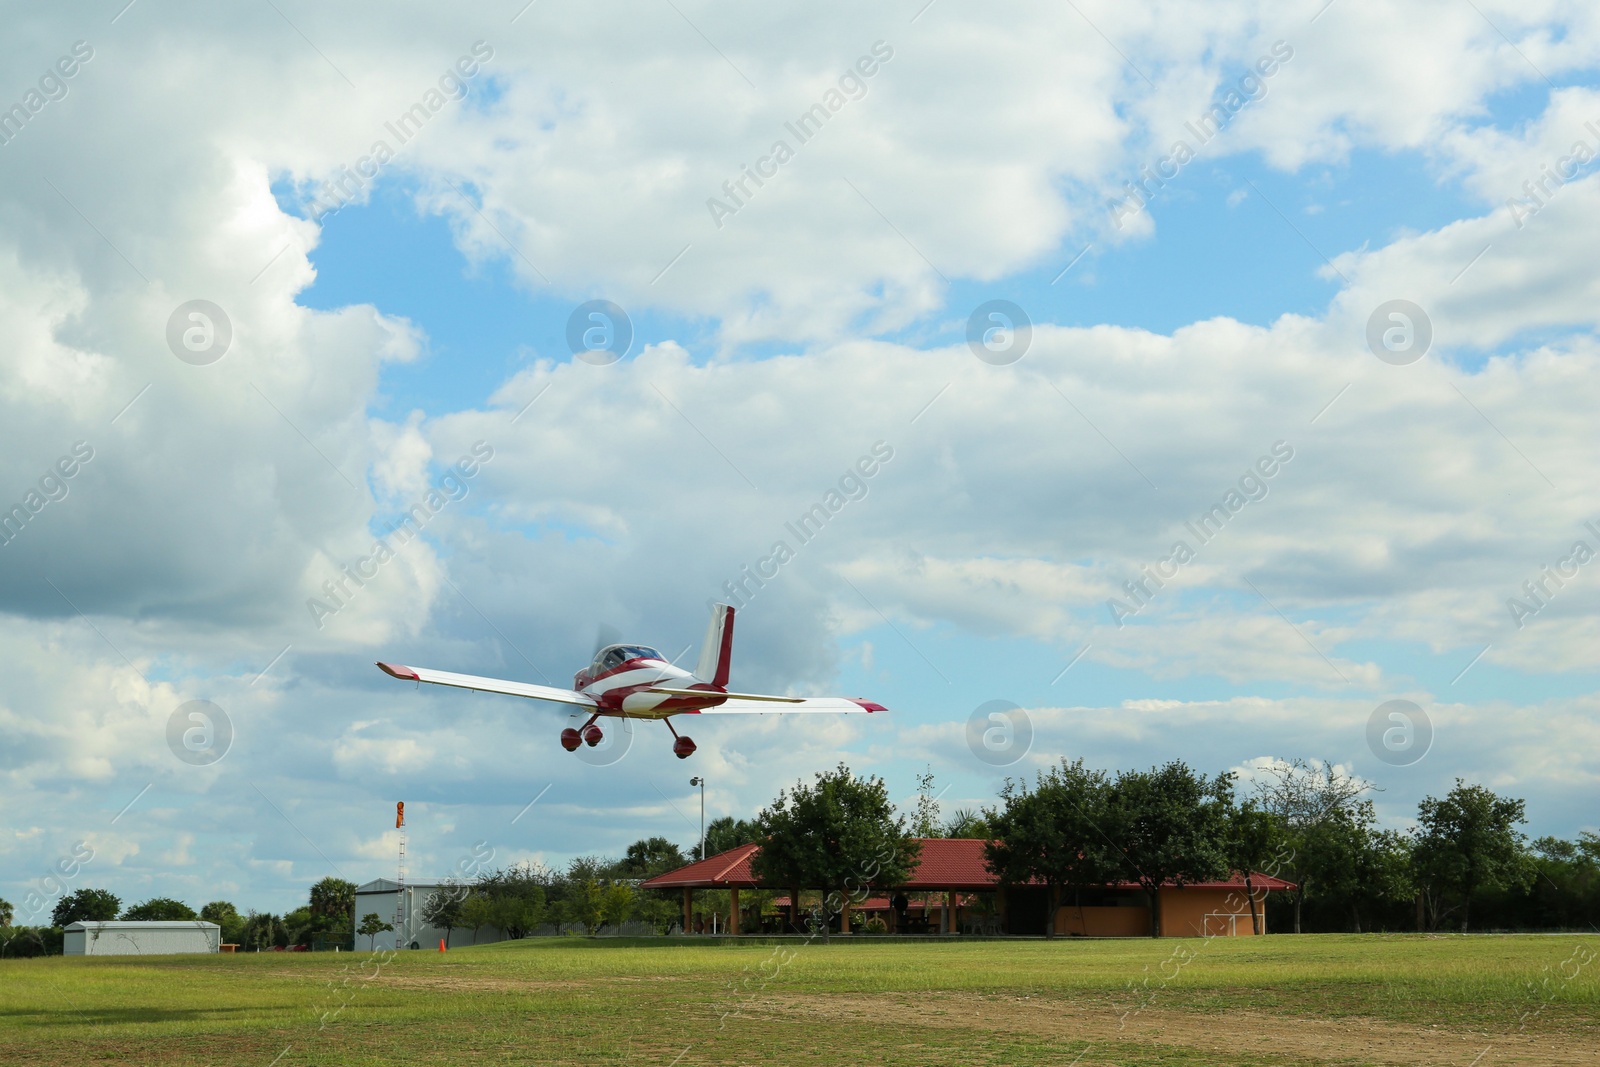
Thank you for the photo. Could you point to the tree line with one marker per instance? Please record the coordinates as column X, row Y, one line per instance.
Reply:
column 325, row 919
column 1466, row 864
column 590, row 893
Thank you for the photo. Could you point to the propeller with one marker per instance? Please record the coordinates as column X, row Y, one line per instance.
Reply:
column 604, row 635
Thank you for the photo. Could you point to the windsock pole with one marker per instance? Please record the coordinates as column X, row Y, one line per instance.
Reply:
column 400, row 879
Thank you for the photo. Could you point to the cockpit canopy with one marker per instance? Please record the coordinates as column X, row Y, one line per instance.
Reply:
column 609, row 659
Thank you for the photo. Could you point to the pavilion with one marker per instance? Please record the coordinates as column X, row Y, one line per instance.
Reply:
column 952, row 871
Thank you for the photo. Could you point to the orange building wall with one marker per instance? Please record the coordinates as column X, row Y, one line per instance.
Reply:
column 1193, row 912
column 1187, row 912
column 1104, row 922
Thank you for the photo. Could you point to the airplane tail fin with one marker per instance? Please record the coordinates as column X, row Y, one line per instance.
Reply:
column 716, row 654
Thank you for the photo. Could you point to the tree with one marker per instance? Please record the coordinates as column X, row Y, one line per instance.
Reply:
column 159, row 909
column 262, row 930
column 839, row 835
column 221, row 912
column 477, row 911
column 1553, row 848
column 25, row 942
column 371, row 926
column 1169, row 825
column 583, row 868
column 1053, row 833
column 517, row 916
column 925, row 823
column 1255, row 842
column 616, row 903
column 656, row 855
column 302, row 926
column 334, row 899
column 651, row 856
column 225, row 915
column 1384, row 869
column 443, row 909
column 659, row 910
column 516, row 897
column 5, row 912
column 585, row 903
column 1311, row 798
column 1469, row 841
column 725, row 833
column 1566, row 891
column 968, row 823
column 85, row 905
column 1354, row 864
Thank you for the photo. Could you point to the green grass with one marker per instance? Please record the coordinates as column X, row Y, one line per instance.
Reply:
column 862, row 1001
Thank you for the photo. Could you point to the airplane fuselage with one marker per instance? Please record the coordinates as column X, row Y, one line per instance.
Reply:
column 624, row 689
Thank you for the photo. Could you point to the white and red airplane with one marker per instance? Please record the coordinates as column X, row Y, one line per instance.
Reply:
column 637, row 682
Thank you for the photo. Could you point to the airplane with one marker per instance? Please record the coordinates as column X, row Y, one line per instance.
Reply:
column 637, row 682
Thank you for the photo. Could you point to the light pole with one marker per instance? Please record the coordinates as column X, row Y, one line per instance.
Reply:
column 701, row 782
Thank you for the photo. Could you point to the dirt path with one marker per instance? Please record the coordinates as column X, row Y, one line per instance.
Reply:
column 1225, row 1032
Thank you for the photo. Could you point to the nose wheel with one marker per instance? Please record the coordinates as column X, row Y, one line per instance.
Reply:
column 682, row 745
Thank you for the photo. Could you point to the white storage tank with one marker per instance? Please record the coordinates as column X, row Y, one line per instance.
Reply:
column 118, row 938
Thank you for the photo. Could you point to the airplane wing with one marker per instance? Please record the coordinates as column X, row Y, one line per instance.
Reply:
column 487, row 685
column 740, row 704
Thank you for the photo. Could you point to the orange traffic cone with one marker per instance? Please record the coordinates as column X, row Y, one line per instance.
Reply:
column 441, row 944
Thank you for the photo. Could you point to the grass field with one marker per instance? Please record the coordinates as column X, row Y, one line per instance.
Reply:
column 1278, row 1000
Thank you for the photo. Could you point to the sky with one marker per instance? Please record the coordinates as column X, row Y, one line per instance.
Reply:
column 1226, row 375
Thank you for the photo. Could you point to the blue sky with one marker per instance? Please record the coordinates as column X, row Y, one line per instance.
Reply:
column 1216, row 255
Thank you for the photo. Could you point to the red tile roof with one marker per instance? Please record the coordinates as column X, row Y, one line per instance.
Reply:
column 951, row 863
column 724, row 870
column 946, row 863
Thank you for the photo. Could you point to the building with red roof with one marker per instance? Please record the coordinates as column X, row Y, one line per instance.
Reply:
column 958, row 892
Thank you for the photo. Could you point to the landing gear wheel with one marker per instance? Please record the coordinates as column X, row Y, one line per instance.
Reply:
column 570, row 739
column 592, row 735
column 682, row 747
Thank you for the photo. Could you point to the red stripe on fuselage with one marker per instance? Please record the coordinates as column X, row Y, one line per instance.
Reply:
column 630, row 665
column 612, row 699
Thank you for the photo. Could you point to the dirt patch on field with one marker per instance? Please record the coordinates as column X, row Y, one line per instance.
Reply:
column 465, row 983
column 474, row 982
column 1225, row 1033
